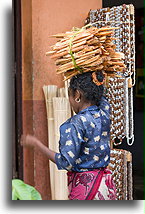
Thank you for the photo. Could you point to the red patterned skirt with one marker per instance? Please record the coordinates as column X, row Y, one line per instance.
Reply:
column 91, row 185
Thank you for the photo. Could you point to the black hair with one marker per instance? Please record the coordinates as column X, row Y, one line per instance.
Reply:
column 84, row 83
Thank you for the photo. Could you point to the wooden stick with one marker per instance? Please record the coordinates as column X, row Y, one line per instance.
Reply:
column 49, row 53
column 105, row 33
column 66, row 52
column 95, row 58
column 70, row 75
column 107, row 28
column 73, row 46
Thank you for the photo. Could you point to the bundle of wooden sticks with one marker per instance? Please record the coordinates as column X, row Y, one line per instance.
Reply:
column 86, row 49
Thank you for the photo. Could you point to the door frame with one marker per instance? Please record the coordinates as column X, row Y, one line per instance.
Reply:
column 17, row 157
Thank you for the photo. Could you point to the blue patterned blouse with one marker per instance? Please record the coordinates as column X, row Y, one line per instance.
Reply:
column 84, row 139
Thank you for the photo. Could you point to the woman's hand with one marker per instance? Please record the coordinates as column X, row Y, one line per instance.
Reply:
column 28, row 141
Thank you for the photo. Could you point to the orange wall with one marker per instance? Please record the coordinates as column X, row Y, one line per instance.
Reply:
column 27, row 87
column 48, row 17
column 51, row 17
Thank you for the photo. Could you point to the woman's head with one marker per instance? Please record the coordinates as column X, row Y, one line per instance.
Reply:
column 83, row 91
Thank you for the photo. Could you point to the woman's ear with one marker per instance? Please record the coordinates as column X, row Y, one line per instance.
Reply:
column 77, row 95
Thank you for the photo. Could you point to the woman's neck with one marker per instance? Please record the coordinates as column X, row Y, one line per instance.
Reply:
column 84, row 106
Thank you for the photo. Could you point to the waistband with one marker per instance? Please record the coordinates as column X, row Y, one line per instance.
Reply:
column 105, row 171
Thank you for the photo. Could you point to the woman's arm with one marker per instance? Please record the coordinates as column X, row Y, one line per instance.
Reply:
column 104, row 105
column 30, row 141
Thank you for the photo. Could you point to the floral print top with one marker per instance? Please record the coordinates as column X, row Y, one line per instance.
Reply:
column 85, row 139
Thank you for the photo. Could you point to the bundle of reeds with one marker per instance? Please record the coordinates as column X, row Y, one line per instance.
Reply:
column 62, row 112
column 86, row 49
column 58, row 111
column 50, row 91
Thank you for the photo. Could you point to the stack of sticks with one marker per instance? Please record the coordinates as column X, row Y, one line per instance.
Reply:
column 85, row 50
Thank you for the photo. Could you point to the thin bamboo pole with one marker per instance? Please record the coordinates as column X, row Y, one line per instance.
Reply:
column 61, row 92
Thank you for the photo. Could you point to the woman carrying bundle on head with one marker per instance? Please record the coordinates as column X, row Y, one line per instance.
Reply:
column 84, row 141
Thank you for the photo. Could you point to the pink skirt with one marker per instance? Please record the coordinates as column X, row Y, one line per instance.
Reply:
column 91, row 185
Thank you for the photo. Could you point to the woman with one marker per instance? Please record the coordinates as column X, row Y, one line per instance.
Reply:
column 84, row 141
